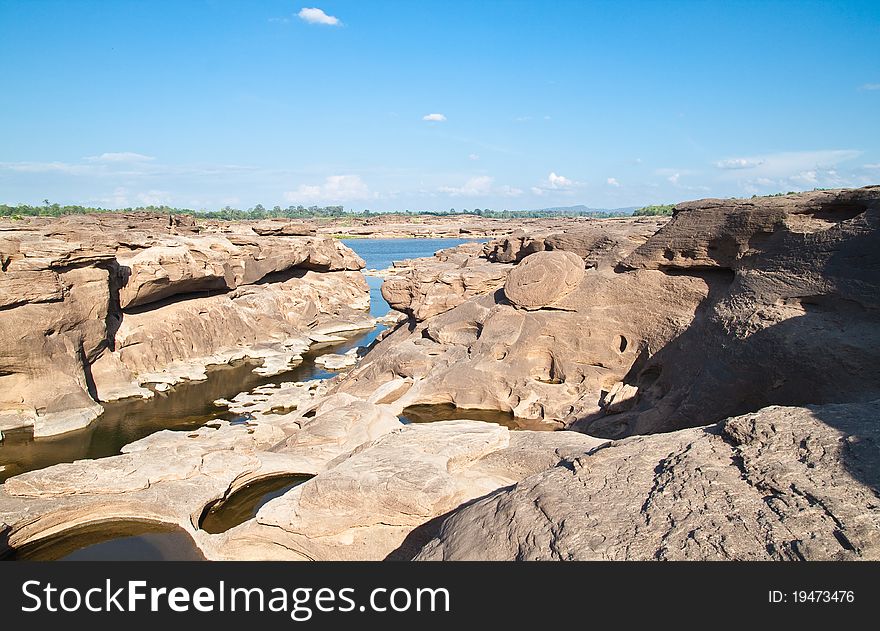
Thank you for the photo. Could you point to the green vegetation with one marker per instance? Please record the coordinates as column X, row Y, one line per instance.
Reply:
column 654, row 211
column 257, row 212
column 291, row 212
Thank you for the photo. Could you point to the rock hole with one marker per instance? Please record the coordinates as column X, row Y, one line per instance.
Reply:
column 621, row 343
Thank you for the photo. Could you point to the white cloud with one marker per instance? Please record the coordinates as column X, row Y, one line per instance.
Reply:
column 437, row 118
column 317, row 16
column 612, row 181
column 739, row 163
column 871, row 166
column 480, row 186
column 870, row 86
column 559, row 181
column 473, row 156
column 123, row 156
column 522, row 119
column 335, row 189
column 674, row 178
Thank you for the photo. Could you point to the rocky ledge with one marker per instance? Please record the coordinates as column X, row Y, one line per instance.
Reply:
column 95, row 308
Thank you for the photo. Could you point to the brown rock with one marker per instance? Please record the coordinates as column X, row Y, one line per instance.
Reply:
column 544, row 278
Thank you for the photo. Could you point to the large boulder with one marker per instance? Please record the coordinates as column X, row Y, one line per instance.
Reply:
column 543, row 278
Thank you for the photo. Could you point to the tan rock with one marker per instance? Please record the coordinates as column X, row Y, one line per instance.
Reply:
column 780, row 483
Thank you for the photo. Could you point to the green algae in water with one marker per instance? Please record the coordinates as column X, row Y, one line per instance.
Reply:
column 244, row 503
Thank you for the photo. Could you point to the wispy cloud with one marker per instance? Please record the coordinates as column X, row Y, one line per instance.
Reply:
column 480, row 186
column 317, row 16
column 47, row 167
column 791, row 170
column 787, row 164
column 437, row 118
column 473, row 156
column 122, row 156
column 870, row 86
column 739, row 163
column 336, row 188
column 612, row 181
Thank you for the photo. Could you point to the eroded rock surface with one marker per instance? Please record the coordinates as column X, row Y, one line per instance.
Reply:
column 379, row 500
column 780, row 483
column 92, row 308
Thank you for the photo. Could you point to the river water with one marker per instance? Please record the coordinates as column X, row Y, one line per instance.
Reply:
column 191, row 404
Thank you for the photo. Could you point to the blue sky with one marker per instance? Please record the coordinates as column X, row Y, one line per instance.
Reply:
column 434, row 105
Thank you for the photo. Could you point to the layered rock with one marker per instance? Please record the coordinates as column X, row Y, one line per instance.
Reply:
column 796, row 320
column 94, row 307
column 780, row 483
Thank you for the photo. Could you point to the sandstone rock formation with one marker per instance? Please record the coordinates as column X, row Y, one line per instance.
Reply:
column 681, row 345
column 423, row 288
column 732, row 306
column 549, row 363
column 599, row 242
column 93, row 308
column 780, row 483
column 794, row 319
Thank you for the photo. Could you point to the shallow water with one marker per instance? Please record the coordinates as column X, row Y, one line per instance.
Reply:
column 190, row 404
column 113, row 541
column 244, row 503
column 448, row 412
column 380, row 253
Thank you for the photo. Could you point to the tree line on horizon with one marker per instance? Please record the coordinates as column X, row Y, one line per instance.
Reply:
column 48, row 209
column 228, row 213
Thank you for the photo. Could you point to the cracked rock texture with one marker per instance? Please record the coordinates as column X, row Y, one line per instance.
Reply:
column 780, row 483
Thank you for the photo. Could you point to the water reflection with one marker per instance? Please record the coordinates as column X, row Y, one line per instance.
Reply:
column 244, row 503
column 448, row 412
column 113, row 541
column 186, row 406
